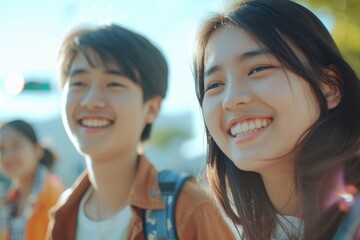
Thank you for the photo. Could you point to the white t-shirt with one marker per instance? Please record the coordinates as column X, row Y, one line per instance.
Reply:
column 293, row 225
column 114, row 228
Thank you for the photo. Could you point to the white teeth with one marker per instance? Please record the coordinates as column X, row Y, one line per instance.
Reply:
column 252, row 125
column 247, row 127
column 264, row 122
column 244, row 127
column 95, row 123
column 258, row 123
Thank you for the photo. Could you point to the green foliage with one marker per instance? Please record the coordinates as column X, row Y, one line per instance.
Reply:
column 161, row 136
column 346, row 28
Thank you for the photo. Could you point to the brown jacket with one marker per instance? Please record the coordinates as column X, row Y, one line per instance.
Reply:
column 196, row 214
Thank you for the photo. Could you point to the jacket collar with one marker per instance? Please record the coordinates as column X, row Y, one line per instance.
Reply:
column 145, row 192
column 70, row 199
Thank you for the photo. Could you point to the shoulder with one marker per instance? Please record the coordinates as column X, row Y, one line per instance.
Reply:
column 192, row 201
column 193, row 194
column 197, row 215
column 54, row 182
column 53, row 187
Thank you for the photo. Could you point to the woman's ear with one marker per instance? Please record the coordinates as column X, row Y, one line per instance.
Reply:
column 39, row 151
column 330, row 86
column 153, row 105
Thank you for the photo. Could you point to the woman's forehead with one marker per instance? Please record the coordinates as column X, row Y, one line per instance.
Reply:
column 228, row 42
column 10, row 132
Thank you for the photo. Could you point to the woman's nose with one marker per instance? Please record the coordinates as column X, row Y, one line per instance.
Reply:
column 8, row 152
column 237, row 94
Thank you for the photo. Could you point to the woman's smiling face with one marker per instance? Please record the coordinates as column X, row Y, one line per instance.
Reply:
column 19, row 157
column 255, row 109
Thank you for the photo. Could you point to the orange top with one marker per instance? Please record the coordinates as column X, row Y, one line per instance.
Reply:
column 36, row 225
column 196, row 214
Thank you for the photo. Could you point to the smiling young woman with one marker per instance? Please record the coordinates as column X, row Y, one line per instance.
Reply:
column 278, row 103
column 34, row 190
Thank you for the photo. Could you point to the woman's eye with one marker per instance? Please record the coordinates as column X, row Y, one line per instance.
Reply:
column 214, row 85
column 258, row 69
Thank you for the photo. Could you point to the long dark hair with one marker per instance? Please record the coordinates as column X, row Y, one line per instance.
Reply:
column 28, row 131
column 303, row 45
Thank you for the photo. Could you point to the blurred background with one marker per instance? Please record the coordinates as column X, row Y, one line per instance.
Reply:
column 31, row 32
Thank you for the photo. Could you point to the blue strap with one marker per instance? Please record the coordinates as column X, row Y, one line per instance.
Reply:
column 350, row 224
column 160, row 223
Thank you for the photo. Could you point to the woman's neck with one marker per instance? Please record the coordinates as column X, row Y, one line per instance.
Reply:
column 280, row 187
column 24, row 187
column 111, row 180
column 25, row 184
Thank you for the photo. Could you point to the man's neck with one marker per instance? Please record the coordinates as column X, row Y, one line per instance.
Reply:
column 111, row 180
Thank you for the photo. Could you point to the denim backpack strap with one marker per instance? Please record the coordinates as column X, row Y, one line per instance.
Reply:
column 160, row 223
column 350, row 224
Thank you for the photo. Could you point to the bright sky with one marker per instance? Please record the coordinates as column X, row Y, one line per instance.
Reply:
column 31, row 32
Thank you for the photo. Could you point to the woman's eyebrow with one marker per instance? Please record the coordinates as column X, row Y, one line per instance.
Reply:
column 253, row 53
column 242, row 57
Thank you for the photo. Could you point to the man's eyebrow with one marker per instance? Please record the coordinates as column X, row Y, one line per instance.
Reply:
column 115, row 72
column 242, row 57
column 77, row 72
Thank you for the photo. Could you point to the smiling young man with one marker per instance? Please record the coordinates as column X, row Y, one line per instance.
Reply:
column 113, row 83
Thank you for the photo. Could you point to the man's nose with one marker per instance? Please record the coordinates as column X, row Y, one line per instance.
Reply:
column 93, row 99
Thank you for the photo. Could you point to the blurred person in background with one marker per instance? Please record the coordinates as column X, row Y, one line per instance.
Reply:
column 282, row 113
column 34, row 190
column 113, row 83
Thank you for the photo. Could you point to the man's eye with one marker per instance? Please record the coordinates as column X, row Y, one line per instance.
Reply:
column 258, row 69
column 77, row 84
column 115, row 84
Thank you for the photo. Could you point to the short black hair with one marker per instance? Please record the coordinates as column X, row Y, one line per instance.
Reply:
column 141, row 61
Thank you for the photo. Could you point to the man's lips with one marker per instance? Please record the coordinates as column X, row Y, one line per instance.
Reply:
column 95, row 122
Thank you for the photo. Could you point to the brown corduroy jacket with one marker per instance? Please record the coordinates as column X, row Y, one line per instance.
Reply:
column 196, row 214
